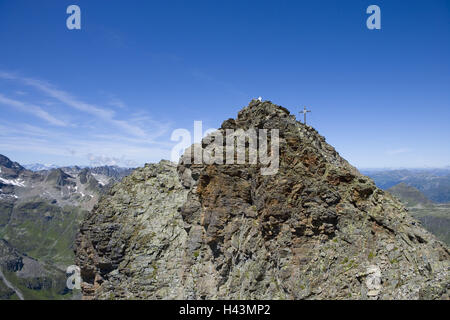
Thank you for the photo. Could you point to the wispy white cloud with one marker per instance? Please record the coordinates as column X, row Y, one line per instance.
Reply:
column 32, row 109
column 7, row 75
column 88, row 150
column 60, row 95
column 66, row 98
column 23, row 129
column 398, row 151
column 95, row 134
column 116, row 102
column 103, row 160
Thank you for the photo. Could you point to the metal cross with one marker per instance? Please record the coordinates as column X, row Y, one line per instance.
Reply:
column 304, row 111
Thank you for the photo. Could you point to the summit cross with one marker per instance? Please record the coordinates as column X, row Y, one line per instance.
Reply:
column 304, row 111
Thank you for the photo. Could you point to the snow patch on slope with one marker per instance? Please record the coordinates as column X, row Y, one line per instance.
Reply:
column 15, row 182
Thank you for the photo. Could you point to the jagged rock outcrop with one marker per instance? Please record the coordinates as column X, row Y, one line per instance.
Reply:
column 317, row 229
column 59, row 178
column 131, row 245
column 9, row 169
column 10, row 259
column 114, row 172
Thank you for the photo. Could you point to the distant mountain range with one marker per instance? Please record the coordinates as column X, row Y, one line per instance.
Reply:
column 425, row 192
column 433, row 183
column 41, row 207
column 410, row 195
column 111, row 171
column 39, row 166
column 434, row 217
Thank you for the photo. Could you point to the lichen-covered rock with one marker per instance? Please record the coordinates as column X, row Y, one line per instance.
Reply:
column 130, row 246
column 317, row 229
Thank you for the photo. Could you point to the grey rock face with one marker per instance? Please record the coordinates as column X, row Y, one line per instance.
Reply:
column 10, row 259
column 317, row 229
column 131, row 245
column 10, row 169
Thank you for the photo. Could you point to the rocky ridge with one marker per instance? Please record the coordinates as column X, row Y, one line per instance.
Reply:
column 135, row 236
column 317, row 229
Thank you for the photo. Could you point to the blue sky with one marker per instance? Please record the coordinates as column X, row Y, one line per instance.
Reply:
column 113, row 92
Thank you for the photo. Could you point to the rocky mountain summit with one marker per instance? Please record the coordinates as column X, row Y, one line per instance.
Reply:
column 9, row 169
column 316, row 229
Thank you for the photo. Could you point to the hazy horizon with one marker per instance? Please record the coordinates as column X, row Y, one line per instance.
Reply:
column 140, row 165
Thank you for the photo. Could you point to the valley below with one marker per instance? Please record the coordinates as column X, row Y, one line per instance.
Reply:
column 40, row 214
